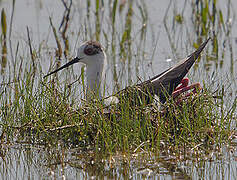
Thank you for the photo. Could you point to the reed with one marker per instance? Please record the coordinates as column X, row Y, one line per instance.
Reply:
column 48, row 111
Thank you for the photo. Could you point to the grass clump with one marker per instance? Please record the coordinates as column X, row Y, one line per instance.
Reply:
column 49, row 116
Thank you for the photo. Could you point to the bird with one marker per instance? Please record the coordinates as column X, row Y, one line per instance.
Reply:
column 163, row 85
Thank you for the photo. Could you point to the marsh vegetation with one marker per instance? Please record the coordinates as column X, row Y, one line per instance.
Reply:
column 52, row 131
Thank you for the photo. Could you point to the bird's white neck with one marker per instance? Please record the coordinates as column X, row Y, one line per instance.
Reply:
column 95, row 74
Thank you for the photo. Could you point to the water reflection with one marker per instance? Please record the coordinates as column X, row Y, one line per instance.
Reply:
column 33, row 162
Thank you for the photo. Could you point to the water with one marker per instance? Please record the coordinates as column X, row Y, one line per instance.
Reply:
column 160, row 49
column 150, row 59
column 38, row 162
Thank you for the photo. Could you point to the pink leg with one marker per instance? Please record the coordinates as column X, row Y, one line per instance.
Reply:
column 184, row 88
column 183, row 83
column 181, row 89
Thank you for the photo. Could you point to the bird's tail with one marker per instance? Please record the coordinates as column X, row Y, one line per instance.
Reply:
column 165, row 83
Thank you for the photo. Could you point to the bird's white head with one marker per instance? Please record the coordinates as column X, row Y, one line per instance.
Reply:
column 91, row 53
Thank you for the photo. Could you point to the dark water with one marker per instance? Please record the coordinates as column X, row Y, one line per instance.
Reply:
column 153, row 50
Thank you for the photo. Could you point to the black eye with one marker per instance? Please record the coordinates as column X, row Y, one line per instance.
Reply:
column 89, row 51
column 92, row 48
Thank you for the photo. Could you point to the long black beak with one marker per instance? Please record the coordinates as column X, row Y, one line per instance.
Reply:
column 75, row 60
